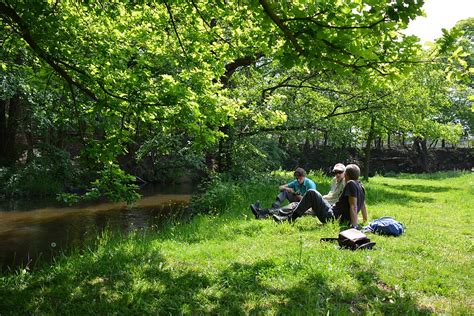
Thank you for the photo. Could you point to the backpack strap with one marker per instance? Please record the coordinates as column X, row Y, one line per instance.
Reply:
column 368, row 245
column 329, row 239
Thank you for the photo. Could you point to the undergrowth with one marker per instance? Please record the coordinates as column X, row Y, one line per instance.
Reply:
column 224, row 261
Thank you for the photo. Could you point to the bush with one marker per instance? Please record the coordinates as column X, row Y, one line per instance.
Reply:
column 112, row 183
column 46, row 173
column 222, row 192
column 256, row 155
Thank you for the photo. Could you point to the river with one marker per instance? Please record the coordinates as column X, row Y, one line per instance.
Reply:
column 31, row 232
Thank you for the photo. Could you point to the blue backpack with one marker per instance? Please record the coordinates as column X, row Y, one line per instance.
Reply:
column 385, row 226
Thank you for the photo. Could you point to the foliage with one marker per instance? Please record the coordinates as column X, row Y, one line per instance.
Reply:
column 255, row 155
column 46, row 173
column 234, row 264
column 172, row 156
column 112, row 183
column 222, row 192
column 184, row 83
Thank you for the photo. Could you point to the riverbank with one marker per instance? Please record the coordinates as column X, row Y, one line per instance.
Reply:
column 35, row 236
column 226, row 262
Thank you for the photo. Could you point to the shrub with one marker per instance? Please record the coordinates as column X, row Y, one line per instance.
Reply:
column 112, row 183
column 222, row 192
column 46, row 173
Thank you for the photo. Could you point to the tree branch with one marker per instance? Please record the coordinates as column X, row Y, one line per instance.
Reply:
column 24, row 32
column 174, row 28
column 313, row 125
column 210, row 26
column 273, row 88
column 280, row 128
column 282, row 26
column 303, row 127
column 342, row 27
column 230, row 68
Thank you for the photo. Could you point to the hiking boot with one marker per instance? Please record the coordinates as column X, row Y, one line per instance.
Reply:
column 258, row 212
column 263, row 213
column 257, row 205
column 255, row 211
column 285, row 212
column 272, row 211
column 281, row 218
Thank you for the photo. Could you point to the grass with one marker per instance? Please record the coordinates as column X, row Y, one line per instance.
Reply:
column 233, row 264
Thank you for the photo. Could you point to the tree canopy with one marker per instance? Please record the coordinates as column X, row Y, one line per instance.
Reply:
column 194, row 80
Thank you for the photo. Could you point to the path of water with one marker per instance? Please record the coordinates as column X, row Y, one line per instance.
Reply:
column 43, row 232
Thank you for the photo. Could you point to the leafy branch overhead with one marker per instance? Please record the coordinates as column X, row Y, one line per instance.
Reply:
column 87, row 48
column 194, row 76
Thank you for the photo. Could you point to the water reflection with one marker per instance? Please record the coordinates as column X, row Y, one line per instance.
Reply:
column 26, row 236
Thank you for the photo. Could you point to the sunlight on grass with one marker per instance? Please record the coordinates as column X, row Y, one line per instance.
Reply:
column 234, row 264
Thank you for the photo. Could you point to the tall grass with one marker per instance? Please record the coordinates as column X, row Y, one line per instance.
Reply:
column 226, row 262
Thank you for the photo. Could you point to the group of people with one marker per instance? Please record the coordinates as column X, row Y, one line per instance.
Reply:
column 344, row 201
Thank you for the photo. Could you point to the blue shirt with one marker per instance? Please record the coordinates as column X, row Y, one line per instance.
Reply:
column 307, row 184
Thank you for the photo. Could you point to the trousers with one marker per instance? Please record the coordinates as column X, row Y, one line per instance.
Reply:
column 284, row 195
column 321, row 208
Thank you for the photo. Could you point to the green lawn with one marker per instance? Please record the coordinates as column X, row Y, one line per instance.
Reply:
column 233, row 264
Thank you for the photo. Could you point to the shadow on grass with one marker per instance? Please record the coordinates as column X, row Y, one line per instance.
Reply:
column 377, row 194
column 313, row 295
column 429, row 176
column 419, row 188
column 103, row 285
column 242, row 291
column 96, row 283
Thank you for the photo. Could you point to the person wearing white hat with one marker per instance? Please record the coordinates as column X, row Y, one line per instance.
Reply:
column 346, row 209
column 337, row 184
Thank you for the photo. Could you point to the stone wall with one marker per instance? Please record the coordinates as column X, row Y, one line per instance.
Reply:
column 383, row 160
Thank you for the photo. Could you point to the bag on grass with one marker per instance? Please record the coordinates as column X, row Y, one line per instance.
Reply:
column 385, row 226
column 352, row 239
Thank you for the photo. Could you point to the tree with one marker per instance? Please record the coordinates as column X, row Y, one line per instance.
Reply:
column 198, row 75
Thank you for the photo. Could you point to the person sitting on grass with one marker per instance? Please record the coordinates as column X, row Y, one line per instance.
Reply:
column 351, row 201
column 337, row 184
column 292, row 191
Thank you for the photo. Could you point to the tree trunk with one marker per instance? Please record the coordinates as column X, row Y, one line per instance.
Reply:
column 224, row 157
column 403, row 142
column 370, row 138
column 30, row 144
column 419, row 145
column 9, row 113
column 307, row 145
column 282, row 142
column 379, row 143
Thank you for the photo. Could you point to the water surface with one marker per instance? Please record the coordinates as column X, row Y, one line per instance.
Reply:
column 28, row 233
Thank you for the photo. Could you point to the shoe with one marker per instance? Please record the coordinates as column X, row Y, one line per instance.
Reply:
column 254, row 210
column 272, row 211
column 263, row 213
column 285, row 212
column 281, row 218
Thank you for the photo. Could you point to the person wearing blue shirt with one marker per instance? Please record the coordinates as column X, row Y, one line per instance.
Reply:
column 346, row 209
column 294, row 190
